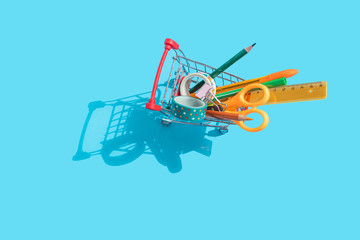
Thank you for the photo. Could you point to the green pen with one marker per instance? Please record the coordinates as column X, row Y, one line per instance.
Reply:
column 274, row 83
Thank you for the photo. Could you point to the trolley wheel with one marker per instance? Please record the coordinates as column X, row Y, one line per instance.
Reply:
column 223, row 130
column 165, row 122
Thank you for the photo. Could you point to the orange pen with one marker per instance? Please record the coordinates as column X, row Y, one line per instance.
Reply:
column 286, row 73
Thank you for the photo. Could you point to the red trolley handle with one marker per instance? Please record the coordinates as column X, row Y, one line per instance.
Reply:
column 169, row 44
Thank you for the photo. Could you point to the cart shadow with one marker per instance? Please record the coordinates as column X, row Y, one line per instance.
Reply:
column 133, row 130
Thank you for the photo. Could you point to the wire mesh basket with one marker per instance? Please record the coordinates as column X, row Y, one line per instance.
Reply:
column 180, row 67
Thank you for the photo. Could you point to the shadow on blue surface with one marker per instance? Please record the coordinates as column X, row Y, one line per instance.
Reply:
column 134, row 130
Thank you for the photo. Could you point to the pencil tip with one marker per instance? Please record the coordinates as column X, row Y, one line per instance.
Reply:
column 249, row 48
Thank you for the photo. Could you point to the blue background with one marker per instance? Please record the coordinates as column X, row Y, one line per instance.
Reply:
column 297, row 179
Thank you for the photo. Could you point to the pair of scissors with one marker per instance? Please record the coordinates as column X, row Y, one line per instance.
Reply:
column 238, row 101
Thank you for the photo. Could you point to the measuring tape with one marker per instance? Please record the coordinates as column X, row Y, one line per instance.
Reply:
column 292, row 93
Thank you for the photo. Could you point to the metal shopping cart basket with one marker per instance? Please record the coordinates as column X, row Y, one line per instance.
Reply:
column 180, row 67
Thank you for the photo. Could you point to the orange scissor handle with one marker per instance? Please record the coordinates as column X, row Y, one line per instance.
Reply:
column 239, row 99
column 256, row 129
column 262, row 101
column 245, row 103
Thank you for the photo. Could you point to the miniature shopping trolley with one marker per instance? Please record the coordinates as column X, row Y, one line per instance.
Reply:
column 179, row 112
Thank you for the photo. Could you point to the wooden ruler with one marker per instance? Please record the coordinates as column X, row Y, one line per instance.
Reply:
column 292, row 93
